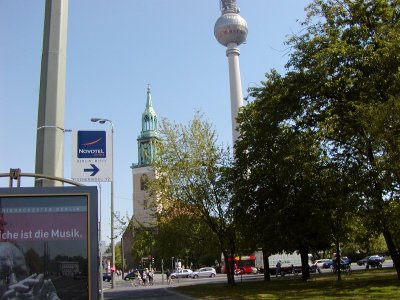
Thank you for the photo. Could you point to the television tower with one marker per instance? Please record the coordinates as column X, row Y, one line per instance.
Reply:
column 231, row 30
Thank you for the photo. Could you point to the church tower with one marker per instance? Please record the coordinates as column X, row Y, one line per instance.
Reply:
column 149, row 136
column 142, row 171
column 143, row 214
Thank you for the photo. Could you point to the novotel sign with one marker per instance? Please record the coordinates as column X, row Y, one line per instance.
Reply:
column 92, row 144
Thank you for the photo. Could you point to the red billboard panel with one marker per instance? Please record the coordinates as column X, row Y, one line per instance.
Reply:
column 47, row 225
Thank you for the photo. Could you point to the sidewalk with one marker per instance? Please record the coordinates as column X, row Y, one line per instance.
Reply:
column 159, row 282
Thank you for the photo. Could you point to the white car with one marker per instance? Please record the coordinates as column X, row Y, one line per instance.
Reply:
column 181, row 273
column 204, row 272
column 323, row 263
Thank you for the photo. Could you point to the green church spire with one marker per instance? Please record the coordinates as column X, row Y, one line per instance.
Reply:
column 149, row 135
column 149, row 116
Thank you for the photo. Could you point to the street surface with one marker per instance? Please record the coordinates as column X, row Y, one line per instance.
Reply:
column 125, row 290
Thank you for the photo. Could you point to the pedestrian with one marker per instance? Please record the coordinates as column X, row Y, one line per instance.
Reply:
column 150, row 275
column 144, row 276
column 138, row 279
column 168, row 273
column 278, row 267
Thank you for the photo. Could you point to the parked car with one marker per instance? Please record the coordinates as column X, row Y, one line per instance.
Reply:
column 181, row 273
column 346, row 260
column 344, row 265
column 204, row 272
column 130, row 275
column 372, row 260
column 107, row 277
column 376, row 258
column 323, row 263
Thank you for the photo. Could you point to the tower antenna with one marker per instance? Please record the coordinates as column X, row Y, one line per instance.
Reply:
column 228, row 6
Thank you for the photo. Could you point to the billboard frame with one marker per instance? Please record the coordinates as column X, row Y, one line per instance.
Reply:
column 90, row 193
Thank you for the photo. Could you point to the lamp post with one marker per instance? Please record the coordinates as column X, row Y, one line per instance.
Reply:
column 187, row 258
column 102, row 121
column 100, row 254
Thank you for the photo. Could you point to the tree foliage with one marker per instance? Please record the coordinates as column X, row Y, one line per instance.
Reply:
column 281, row 169
column 342, row 86
column 192, row 179
column 187, row 239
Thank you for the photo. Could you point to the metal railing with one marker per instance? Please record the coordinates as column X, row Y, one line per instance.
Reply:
column 16, row 174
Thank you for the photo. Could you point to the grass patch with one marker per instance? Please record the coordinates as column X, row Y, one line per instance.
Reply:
column 360, row 285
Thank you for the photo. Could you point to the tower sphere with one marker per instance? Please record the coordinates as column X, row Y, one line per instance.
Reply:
column 230, row 28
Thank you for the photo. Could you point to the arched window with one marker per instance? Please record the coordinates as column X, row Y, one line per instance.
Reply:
column 146, row 123
column 143, row 182
column 151, row 123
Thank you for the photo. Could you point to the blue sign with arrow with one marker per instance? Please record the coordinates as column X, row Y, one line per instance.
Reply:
column 94, row 170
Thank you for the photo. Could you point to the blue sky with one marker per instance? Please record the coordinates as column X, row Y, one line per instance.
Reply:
column 117, row 47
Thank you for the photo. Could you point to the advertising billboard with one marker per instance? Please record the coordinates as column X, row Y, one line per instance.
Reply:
column 48, row 243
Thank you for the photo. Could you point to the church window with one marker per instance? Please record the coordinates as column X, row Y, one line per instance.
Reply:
column 143, row 182
column 146, row 123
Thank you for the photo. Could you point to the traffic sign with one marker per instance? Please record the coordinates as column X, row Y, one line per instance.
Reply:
column 91, row 156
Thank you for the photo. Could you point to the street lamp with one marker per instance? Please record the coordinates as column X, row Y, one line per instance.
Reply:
column 100, row 250
column 102, row 121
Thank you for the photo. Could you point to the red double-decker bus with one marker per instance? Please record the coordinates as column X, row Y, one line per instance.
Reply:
column 244, row 264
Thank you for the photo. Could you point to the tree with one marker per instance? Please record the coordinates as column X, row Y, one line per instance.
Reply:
column 192, row 176
column 341, row 201
column 118, row 256
column 143, row 243
column 281, row 169
column 345, row 69
column 182, row 236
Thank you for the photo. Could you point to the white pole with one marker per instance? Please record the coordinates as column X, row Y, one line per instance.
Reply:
column 100, row 254
column 50, row 124
column 235, row 82
column 112, row 208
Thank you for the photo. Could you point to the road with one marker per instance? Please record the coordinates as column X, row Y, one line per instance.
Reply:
column 125, row 290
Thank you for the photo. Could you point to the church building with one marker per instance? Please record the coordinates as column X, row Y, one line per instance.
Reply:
column 142, row 171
